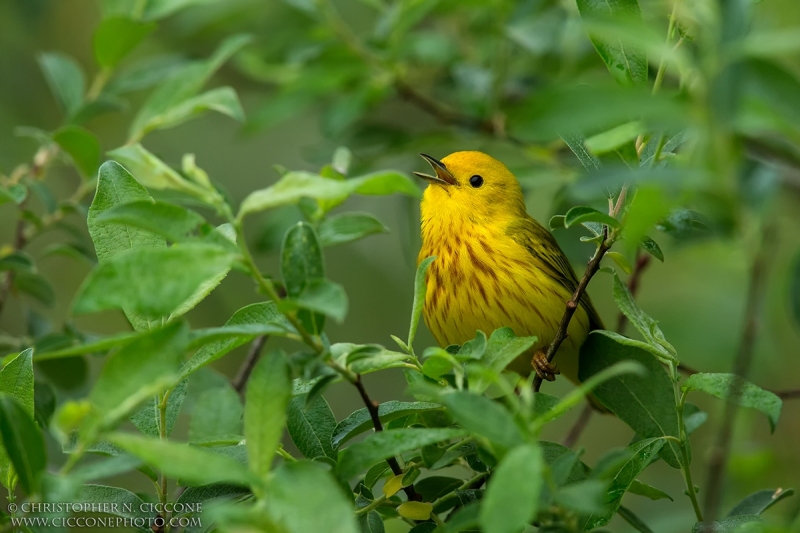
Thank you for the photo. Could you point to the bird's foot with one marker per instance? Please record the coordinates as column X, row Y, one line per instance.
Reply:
column 544, row 368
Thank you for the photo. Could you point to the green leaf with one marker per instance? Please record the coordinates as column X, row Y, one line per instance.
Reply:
column 16, row 380
column 557, row 222
column 621, row 261
column 23, row 443
column 627, row 65
column 631, row 518
column 148, row 418
column 384, row 444
column 209, row 493
column 269, row 390
column 106, row 467
column 116, row 37
column 36, row 286
column 577, row 395
column 685, row 223
column 116, row 186
column 364, row 358
column 576, row 144
column 170, row 221
column 14, row 193
column 760, row 501
column 311, row 427
column 115, row 501
column 648, row 491
column 17, row 262
column 739, row 391
column 101, row 345
column 321, row 296
column 188, row 463
column 613, row 139
column 159, row 9
column 139, row 370
column 303, row 269
column 627, row 341
column 581, row 214
column 512, row 497
column 82, row 146
column 151, row 172
column 642, row 322
column 639, row 457
column 222, row 100
column 726, row 525
column 371, row 523
column 217, row 412
column 584, row 497
column 303, row 498
column 296, row 185
column 301, row 258
column 502, row 348
column 66, row 80
column 151, row 282
column 480, row 415
column 360, row 421
column 419, row 298
column 263, row 313
column 646, row 404
column 182, row 86
column 348, row 227
column 652, row 248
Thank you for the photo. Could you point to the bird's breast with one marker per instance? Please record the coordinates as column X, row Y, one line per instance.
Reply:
column 483, row 280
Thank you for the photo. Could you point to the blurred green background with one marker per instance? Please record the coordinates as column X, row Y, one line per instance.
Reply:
column 299, row 112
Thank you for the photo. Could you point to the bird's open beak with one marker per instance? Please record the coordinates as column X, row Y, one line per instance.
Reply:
column 442, row 176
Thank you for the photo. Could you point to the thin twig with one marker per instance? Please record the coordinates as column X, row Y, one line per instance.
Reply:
column 449, row 115
column 573, row 303
column 372, row 408
column 239, row 382
column 579, row 425
column 741, row 367
column 642, row 262
column 19, row 243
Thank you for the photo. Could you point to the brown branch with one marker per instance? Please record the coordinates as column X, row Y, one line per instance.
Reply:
column 578, row 427
column 372, row 408
column 239, row 382
column 572, row 304
column 449, row 115
column 8, row 282
column 792, row 394
column 634, row 280
column 741, row 367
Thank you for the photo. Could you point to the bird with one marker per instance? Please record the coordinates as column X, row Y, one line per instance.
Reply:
column 495, row 265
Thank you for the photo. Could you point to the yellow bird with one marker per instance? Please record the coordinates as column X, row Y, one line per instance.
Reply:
column 495, row 265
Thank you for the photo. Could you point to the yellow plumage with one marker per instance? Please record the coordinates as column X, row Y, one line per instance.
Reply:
column 495, row 265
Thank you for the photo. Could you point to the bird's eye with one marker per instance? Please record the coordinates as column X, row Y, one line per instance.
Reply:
column 476, row 181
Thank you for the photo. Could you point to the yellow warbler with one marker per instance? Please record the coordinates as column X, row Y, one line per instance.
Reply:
column 495, row 265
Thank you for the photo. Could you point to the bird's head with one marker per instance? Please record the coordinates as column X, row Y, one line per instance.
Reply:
column 471, row 185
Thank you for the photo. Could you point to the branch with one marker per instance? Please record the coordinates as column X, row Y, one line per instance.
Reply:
column 449, row 115
column 578, row 427
column 239, row 382
column 372, row 407
column 642, row 262
column 741, row 367
column 19, row 243
column 572, row 304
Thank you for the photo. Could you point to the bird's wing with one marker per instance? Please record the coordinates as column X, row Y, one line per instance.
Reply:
column 543, row 246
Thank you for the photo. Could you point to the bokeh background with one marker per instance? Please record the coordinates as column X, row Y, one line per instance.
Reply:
column 304, row 98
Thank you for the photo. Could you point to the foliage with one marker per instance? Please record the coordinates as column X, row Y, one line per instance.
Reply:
column 657, row 149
